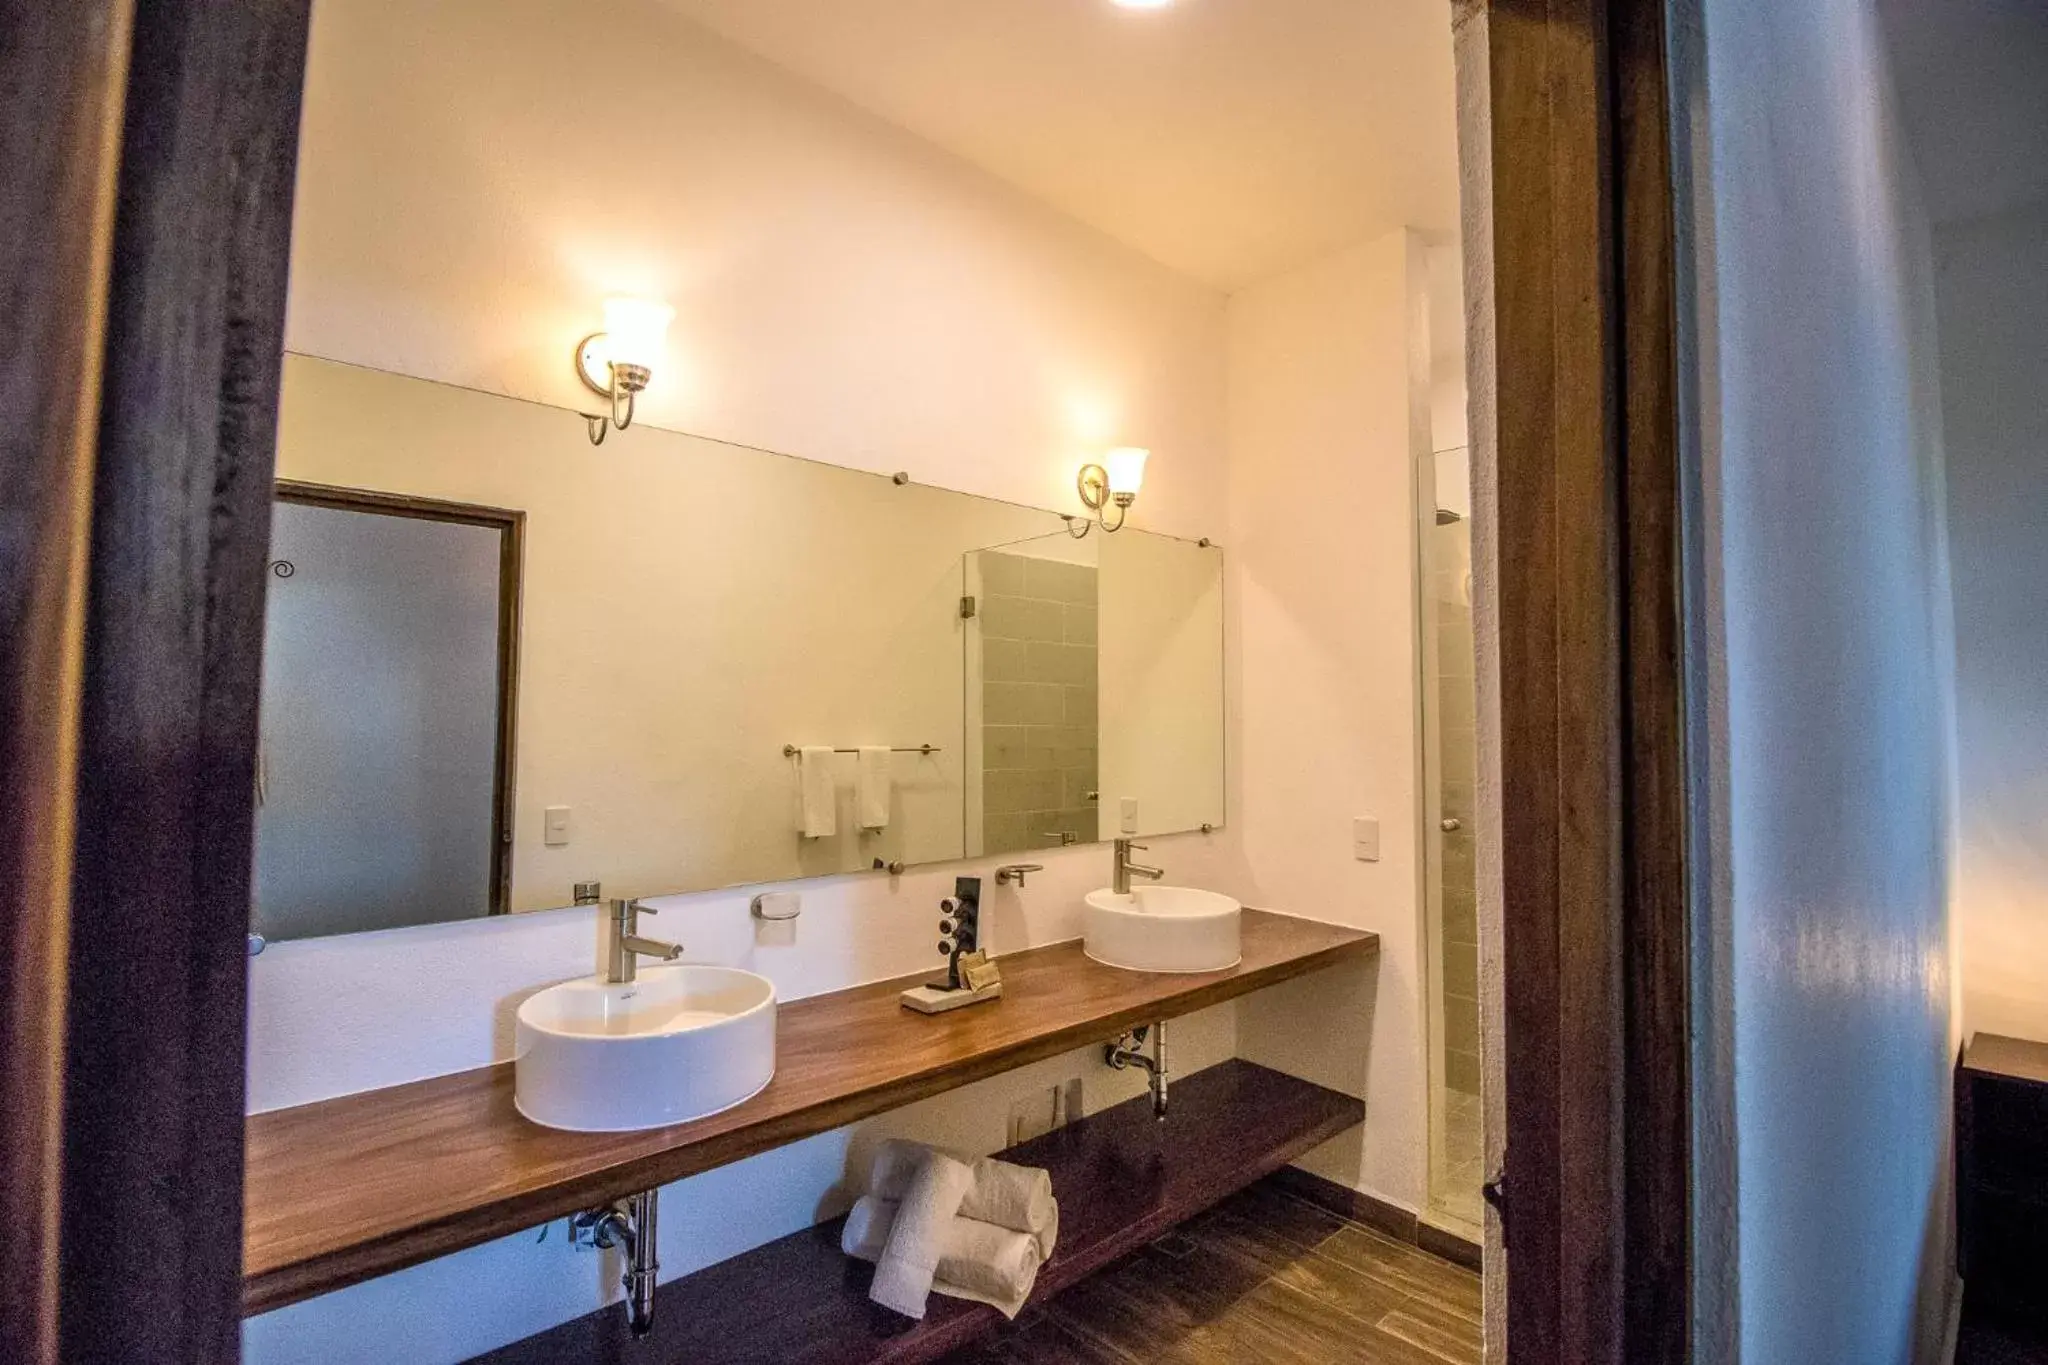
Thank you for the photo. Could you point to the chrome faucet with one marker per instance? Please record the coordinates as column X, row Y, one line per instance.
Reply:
column 627, row 947
column 1124, row 869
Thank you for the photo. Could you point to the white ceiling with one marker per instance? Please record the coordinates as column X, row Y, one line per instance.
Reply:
column 1227, row 139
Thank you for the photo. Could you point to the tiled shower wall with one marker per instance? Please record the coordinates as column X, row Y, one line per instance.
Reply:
column 1458, row 712
column 1039, row 773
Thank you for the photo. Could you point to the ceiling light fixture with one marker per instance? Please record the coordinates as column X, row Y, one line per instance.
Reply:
column 1141, row 4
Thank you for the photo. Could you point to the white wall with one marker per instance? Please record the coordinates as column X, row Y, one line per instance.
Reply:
column 1992, row 288
column 844, row 293
column 1820, row 584
column 476, row 175
column 1328, row 415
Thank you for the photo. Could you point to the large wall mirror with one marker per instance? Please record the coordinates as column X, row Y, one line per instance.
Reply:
column 501, row 661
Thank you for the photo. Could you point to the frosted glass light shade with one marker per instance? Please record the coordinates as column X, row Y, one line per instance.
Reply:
column 636, row 331
column 1126, row 466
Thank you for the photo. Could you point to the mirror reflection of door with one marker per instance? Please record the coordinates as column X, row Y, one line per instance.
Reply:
column 388, row 672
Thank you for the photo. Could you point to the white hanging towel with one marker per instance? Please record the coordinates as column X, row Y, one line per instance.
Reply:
column 820, row 794
column 873, row 785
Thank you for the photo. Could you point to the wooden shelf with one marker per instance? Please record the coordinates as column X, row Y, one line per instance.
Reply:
column 2015, row 1059
column 352, row 1188
column 1122, row 1178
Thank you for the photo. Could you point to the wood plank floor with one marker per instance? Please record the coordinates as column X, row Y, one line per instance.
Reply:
column 1262, row 1277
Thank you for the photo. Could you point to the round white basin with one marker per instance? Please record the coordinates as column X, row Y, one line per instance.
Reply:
column 676, row 1044
column 1162, row 929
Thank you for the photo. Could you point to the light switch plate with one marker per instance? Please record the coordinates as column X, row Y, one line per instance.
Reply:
column 555, row 826
column 1365, row 839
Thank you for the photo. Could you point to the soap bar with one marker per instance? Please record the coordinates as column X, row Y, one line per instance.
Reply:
column 977, row 972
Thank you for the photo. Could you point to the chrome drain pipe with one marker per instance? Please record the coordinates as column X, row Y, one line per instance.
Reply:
column 1128, row 1051
column 632, row 1229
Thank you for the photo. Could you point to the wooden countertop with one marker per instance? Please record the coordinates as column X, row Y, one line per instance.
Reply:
column 351, row 1188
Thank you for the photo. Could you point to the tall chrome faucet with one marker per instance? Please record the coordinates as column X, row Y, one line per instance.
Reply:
column 1124, row 869
column 626, row 947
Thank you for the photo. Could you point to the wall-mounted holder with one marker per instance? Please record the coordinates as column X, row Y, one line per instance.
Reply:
column 971, row 976
column 630, row 1228
column 777, row 905
column 1128, row 1051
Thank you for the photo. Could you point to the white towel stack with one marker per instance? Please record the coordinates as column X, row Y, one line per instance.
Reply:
column 973, row 1229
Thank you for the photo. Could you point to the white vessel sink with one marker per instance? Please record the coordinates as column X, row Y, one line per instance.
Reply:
column 677, row 1044
column 1162, row 929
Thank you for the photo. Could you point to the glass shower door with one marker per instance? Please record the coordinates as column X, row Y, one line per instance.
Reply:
column 1450, row 781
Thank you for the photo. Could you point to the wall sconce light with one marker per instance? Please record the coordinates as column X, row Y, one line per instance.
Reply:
column 1116, row 480
column 619, row 361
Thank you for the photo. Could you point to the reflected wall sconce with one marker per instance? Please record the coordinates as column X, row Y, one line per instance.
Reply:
column 619, row 361
column 1115, row 481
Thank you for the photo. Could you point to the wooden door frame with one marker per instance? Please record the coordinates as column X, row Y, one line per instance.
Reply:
column 150, row 148
column 510, row 524
column 68, row 64
column 163, row 135
column 1582, row 319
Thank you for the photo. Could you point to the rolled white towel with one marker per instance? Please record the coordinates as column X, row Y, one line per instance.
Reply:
column 909, row 1262
column 978, row 1261
column 1015, row 1197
